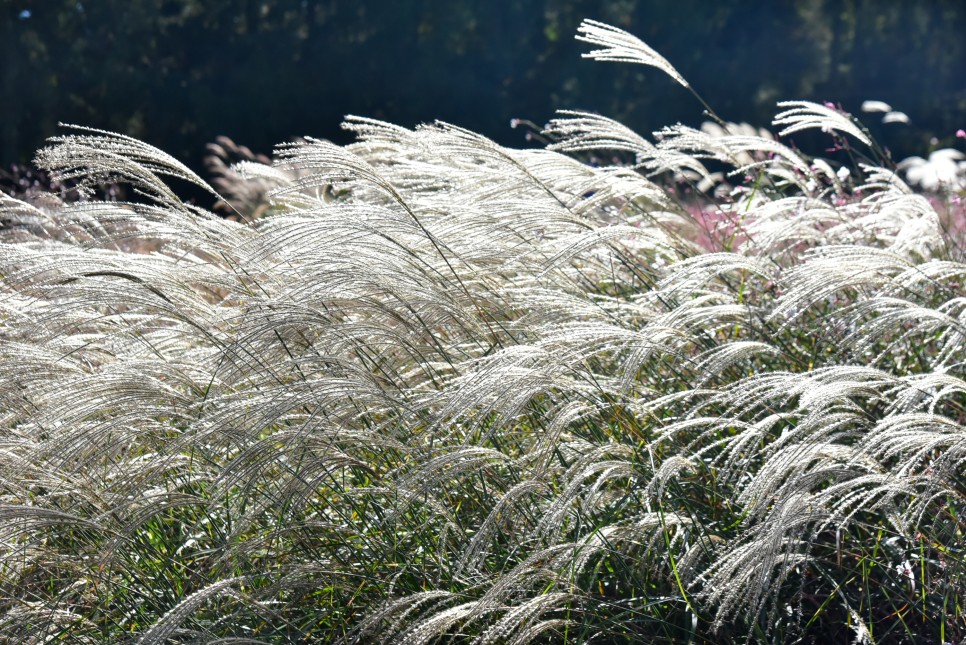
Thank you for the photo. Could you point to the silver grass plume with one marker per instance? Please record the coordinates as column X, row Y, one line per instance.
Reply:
column 622, row 47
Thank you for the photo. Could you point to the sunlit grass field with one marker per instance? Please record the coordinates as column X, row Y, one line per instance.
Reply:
column 699, row 386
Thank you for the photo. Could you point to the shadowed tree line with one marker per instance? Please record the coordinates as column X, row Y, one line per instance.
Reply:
column 177, row 73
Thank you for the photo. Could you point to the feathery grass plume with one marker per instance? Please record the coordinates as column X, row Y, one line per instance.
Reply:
column 802, row 115
column 583, row 131
column 243, row 178
column 165, row 628
column 104, row 157
column 622, row 47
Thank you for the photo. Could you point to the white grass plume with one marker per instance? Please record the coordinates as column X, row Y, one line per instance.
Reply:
column 622, row 47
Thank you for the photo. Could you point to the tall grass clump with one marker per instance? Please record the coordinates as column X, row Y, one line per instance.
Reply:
column 699, row 387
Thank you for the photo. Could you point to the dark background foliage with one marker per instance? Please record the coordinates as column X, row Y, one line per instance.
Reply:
column 177, row 73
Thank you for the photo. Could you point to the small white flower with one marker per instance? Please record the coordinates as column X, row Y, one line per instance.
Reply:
column 843, row 173
column 876, row 106
column 944, row 170
column 895, row 117
column 905, row 569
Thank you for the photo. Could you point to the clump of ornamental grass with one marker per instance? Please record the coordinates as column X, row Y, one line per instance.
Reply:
column 446, row 391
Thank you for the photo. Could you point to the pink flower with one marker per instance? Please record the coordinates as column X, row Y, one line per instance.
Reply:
column 961, row 133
